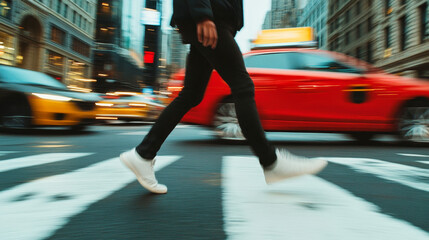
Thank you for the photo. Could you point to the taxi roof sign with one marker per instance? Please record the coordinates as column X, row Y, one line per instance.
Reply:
column 285, row 37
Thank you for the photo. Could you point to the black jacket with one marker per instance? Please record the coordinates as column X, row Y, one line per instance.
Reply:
column 194, row 11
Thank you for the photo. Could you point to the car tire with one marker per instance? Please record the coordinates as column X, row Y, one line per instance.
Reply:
column 78, row 128
column 413, row 122
column 16, row 114
column 225, row 122
column 362, row 137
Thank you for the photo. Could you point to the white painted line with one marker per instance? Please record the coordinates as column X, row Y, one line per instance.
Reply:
column 15, row 163
column 185, row 126
column 142, row 133
column 424, row 162
column 413, row 155
column 37, row 209
column 300, row 209
column 2, row 153
column 405, row 175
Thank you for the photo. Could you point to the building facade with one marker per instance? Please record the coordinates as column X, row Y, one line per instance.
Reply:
column 315, row 15
column 402, row 37
column 351, row 28
column 283, row 14
column 119, row 53
column 51, row 36
column 391, row 34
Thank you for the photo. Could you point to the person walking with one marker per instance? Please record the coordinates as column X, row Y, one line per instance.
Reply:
column 209, row 26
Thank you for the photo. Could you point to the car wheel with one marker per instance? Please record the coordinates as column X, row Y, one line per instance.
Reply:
column 16, row 115
column 225, row 122
column 362, row 137
column 413, row 123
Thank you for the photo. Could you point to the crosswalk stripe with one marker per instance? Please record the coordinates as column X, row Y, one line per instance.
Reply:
column 16, row 163
column 302, row 208
column 2, row 153
column 413, row 155
column 37, row 209
column 34, row 160
column 405, row 175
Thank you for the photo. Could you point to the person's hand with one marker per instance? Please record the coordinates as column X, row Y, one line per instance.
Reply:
column 207, row 33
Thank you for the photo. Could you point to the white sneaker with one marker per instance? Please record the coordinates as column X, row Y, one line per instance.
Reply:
column 289, row 165
column 143, row 169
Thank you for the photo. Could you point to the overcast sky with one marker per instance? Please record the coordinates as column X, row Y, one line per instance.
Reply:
column 254, row 15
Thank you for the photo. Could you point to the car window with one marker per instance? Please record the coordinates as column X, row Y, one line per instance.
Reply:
column 324, row 62
column 271, row 60
column 22, row 76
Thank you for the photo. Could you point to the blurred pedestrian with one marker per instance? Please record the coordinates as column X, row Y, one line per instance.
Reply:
column 209, row 26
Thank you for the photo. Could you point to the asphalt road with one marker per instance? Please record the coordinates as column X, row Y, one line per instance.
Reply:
column 57, row 184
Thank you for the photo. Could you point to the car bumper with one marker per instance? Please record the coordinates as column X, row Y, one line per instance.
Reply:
column 121, row 114
column 57, row 113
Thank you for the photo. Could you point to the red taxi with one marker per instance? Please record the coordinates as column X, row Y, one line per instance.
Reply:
column 310, row 90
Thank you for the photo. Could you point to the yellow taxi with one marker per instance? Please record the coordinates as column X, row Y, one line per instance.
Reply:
column 128, row 106
column 30, row 99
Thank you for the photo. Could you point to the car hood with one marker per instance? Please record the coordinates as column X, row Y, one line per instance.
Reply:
column 28, row 89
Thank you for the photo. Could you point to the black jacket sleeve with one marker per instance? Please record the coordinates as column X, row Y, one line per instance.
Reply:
column 200, row 10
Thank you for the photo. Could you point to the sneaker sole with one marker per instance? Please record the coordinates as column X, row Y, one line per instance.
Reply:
column 139, row 178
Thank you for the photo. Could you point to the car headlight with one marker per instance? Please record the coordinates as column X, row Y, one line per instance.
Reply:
column 52, row 97
column 104, row 104
column 137, row 105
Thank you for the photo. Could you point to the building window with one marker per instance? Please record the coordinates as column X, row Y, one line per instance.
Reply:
column 105, row 8
column 358, row 31
column 388, row 9
column 423, row 22
column 369, row 53
column 347, row 16
column 347, row 38
column 387, row 40
column 76, row 72
column 59, row 4
column 7, row 50
column 369, row 24
column 81, row 47
column 55, row 60
column 6, row 8
column 358, row 52
column 57, row 35
column 65, row 10
column 358, row 8
column 403, row 33
column 74, row 17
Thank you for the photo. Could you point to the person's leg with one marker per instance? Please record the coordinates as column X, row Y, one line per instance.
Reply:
column 278, row 164
column 227, row 59
column 198, row 71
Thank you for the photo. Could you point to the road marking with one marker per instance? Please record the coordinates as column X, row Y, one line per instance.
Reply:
column 2, row 153
column 15, row 163
column 302, row 208
column 37, row 209
column 424, row 162
column 413, row 155
column 142, row 133
column 185, row 126
column 409, row 176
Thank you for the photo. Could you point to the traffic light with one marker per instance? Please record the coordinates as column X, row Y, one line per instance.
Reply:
column 152, row 40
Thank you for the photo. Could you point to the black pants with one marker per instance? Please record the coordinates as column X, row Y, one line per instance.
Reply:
column 227, row 59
